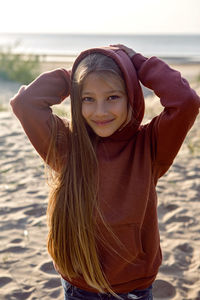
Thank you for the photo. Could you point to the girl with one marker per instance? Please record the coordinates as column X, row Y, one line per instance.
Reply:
column 102, row 211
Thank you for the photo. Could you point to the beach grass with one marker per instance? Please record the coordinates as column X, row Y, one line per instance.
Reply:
column 62, row 111
column 18, row 67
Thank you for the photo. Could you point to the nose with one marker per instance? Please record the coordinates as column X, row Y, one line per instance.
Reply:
column 101, row 109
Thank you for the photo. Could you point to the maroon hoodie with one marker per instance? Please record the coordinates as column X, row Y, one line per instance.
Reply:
column 130, row 160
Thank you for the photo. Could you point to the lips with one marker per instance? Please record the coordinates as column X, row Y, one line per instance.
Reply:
column 104, row 122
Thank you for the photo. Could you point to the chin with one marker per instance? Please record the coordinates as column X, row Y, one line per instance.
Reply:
column 104, row 134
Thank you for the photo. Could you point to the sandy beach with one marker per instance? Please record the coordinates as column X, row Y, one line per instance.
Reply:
column 26, row 270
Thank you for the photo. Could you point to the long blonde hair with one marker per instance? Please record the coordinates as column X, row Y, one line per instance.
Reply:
column 73, row 209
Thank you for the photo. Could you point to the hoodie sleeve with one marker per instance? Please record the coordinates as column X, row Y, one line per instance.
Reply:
column 32, row 106
column 181, row 106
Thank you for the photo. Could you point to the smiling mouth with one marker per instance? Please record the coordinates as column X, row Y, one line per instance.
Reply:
column 102, row 122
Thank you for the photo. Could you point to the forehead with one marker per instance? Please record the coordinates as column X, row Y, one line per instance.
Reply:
column 106, row 79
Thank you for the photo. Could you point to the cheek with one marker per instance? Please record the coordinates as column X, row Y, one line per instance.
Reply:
column 86, row 111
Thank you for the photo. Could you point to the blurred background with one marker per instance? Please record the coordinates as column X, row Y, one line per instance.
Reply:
column 38, row 36
column 61, row 29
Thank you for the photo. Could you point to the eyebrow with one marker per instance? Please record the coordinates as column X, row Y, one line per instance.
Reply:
column 108, row 92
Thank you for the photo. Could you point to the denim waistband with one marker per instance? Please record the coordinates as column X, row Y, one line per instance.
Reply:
column 73, row 292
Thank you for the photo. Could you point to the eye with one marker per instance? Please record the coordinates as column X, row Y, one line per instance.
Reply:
column 87, row 99
column 113, row 97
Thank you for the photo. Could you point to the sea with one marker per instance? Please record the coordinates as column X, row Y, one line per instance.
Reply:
column 56, row 46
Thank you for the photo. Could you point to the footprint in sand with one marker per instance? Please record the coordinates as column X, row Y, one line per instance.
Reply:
column 171, row 207
column 164, row 209
column 41, row 196
column 36, row 211
column 163, row 289
column 16, row 241
column 55, row 294
column 32, row 192
column 19, row 224
column 4, row 280
column 182, row 219
column 174, row 214
column 48, row 268
column 185, row 248
column 19, row 295
column 52, row 283
column 183, row 256
column 14, row 249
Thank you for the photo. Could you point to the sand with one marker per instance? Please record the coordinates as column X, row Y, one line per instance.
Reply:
column 26, row 270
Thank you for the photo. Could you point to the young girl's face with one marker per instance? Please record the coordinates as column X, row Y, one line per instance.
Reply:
column 104, row 104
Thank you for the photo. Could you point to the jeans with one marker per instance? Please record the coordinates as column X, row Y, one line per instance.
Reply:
column 73, row 293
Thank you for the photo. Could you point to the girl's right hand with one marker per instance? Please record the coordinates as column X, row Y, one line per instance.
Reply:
column 128, row 51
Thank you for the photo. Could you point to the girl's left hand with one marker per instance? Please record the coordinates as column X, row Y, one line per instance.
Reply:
column 128, row 51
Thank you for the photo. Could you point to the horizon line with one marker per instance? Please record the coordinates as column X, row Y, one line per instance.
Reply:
column 105, row 33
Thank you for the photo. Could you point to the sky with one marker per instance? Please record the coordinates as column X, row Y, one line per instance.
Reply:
column 100, row 16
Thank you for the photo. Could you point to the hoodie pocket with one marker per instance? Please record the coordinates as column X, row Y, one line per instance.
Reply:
column 129, row 236
column 123, row 257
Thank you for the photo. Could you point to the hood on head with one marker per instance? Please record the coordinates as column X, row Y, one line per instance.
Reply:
column 133, row 87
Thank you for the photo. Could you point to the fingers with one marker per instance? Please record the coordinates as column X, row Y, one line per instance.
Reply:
column 118, row 46
column 22, row 88
column 130, row 52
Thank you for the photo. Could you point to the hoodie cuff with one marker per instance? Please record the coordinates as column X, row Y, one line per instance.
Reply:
column 137, row 60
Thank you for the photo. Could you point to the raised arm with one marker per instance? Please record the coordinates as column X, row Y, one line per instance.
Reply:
column 32, row 106
column 181, row 106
